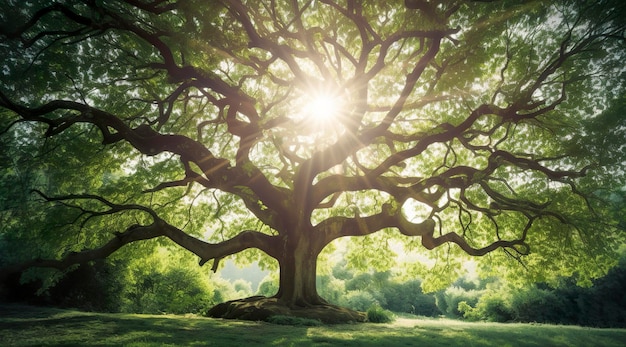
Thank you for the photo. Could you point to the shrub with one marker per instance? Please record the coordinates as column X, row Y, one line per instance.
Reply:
column 331, row 288
column 167, row 282
column 469, row 312
column 490, row 307
column 408, row 297
column 537, row 305
column 358, row 300
column 494, row 309
column 361, row 281
column 170, row 290
column 440, row 301
column 376, row 314
column 243, row 288
column 425, row 305
column 453, row 296
column 95, row 286
column 268, row 286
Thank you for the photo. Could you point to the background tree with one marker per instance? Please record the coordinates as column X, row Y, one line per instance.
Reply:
column 283, row 126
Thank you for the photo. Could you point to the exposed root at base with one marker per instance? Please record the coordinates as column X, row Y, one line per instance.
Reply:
column 260, row 308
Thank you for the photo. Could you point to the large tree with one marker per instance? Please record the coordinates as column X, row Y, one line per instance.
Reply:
column 285, row 125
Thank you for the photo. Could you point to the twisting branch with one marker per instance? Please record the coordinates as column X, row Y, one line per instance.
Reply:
column 87, row 25
column 150, row 142
column 113, row 207
column 158, row 228
column 391, row 217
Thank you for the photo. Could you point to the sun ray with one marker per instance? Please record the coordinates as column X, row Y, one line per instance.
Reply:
column 322, row 108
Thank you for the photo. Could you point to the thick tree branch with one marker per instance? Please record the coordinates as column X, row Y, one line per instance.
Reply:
column 431, row 242
column 391, row 217
column 207, row 251
column 150, row 142
column 131, row 234
column 427, row 117
column 325, row 159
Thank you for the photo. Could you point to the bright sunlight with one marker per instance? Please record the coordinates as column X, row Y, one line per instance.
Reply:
column 322, row 109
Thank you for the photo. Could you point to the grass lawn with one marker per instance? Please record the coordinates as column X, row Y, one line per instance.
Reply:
column 33, row 326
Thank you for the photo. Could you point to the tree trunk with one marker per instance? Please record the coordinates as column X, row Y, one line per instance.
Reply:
column 298, row 268
column 297, row 293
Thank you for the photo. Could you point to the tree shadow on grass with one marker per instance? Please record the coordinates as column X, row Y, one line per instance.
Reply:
column 71, row 328
column 35, row 327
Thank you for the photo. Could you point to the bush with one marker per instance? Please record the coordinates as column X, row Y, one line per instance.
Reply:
column 604, row 304
column 362, row 281
column 490, row 307
column 494, row 309
column 295, row 321
column 537, row 305
column 168, row 282
column 243, row 288
column 172, row 290
column 268, row 286
column 408, row 297
column 376, row 314
column 440, row 301
column 358, row 300
column 93, row 286
column 469, row 312
column 331, row 288
column 453, row 296
column 425, row 305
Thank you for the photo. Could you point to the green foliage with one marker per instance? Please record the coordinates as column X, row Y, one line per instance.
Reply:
column 602, row 304
column 364, row 290
column 358, row 300
column 361, row 290
column 174, row 291
column 453, row 296
column 166, row 281
column 376, row 314
column 408, row 297
column 83, row 81
column 170, row 282
column 91, row 287
column 268, row 286
column 372, row 252
column 491, row 306
column 539, row 305
column 331, row 288
column 242, row 287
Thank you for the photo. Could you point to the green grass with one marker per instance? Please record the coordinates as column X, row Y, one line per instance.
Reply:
column 31, row 326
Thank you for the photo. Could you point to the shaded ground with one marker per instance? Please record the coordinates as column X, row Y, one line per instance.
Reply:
column 28, row 326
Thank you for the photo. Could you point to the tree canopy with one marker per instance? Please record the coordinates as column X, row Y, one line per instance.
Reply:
column 481, row 128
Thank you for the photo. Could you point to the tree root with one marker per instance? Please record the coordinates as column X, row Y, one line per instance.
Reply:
column 260, row 308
